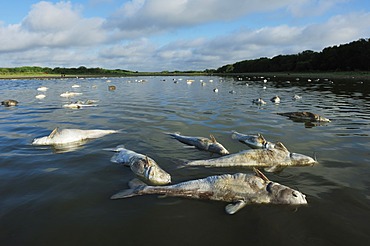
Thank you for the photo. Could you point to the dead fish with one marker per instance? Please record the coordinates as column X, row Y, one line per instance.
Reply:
column 275, row 99
column 253, row 141
column 143, row 166
column 80, row 104
column 305, row 116
column 273, row 159
column 9, row 102
column 70, row 94
column 201, row 143
column 258, row 101
column 239, row 190
column 67, row 136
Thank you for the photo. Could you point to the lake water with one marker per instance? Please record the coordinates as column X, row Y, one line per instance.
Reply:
column 53, row 197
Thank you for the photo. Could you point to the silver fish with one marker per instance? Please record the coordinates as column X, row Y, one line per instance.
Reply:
column 201, row 143
column 305, row 116
column 240, row 189
column 143, row 166
column 253, row 141
column 272, row 159
column 68, row 136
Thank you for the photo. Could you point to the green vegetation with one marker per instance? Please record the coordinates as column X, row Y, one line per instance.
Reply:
column 45, row 72
column 354, row 56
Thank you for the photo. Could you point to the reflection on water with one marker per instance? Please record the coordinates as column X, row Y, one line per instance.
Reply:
column 53, row 197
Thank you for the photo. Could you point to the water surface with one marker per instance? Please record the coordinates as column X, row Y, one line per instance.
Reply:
column 54, row 197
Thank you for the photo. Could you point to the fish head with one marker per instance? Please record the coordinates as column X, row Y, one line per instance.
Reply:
column 281, row 194
column 320, row 118
column 301, row 160
column 154, row 174
column 41, row 141
column 218, row 148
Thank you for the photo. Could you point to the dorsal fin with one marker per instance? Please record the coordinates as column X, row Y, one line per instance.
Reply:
column 147, row 161
column 53, row 132
column 213, row 139
column 260, row 174
column 280, row 145
column 261, row 138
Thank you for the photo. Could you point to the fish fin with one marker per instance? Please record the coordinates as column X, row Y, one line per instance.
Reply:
column 274, row 169
column 124, row 194
column 135, row 185
column 280, row 145
column 55, row 131
column 147, row 162
column 260, row 174
column 232, row 208
column 213, row 139
column 114, row 158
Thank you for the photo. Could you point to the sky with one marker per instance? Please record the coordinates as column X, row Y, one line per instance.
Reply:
column 170, row 35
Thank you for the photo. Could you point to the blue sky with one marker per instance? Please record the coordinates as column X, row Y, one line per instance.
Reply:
column 159, row 35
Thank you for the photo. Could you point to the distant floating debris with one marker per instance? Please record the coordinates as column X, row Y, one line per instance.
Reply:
column 70, row 94
column 42, row 88
column 275, row 99
column 258, row 101
column 296, row 97
column 215, row 90
column 40, row 96
column 76, row 86
column 111, row 88
column 9, row 102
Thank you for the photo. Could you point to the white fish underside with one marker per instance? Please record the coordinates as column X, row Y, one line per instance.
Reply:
column 66, row 136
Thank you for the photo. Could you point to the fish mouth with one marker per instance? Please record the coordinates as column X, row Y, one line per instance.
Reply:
column 302, row 160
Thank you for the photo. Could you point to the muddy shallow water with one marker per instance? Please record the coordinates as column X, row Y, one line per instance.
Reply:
column 61, row 197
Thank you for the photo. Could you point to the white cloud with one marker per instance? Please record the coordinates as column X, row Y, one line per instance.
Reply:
column 140, row 17
column 51, row 25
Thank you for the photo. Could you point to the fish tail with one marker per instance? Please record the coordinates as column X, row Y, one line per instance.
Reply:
column 136, row 186
column 234, row 134
column 116, row 149
column 172, row 134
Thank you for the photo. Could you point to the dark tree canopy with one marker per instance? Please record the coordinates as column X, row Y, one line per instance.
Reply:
column 354, row 56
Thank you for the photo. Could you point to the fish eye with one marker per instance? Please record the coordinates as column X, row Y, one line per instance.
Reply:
column 294, row 194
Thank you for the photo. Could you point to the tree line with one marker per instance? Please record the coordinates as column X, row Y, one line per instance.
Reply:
column 61, row 70
column 354, row 56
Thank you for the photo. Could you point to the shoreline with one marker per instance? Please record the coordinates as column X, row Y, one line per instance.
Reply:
column 287, row 75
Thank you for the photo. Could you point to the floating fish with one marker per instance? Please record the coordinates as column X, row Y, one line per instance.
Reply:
column 67, row 136
column 253, row 141
column 239, row 189
column 70, row 94
column 42, row 88
column 40, row 96
column 258, row 101
column 305, row 116
column 201, row 143
column 272, row 159
column 80, row 104
column 275, row 99
column 143, row 166
column 9, row 102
